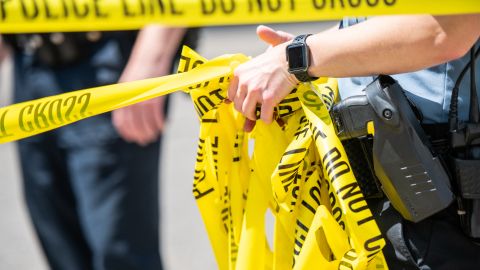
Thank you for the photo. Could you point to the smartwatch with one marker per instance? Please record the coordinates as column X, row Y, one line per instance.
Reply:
column 298, row 58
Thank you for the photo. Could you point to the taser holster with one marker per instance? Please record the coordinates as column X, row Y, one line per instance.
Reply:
column 411, row 175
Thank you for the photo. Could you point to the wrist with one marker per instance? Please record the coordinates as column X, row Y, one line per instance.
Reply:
column 291, row 78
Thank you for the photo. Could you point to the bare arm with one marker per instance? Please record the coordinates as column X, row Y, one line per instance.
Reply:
column 392, row 44
column 151, row 56
column 153, row 52
column 3, row 49
column 381, row 45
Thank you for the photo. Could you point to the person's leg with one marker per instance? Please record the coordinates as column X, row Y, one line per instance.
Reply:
column 115, row 182
column 46, row 185
column 436, row 243
column 389, row 221
column 117, row 191
column 440, row 243
column 51, row 205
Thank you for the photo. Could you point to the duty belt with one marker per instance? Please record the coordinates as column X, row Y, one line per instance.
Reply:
column 62, row 49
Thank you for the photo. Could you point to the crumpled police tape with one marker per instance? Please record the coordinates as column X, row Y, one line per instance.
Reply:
column 298, row 170
column 28, row 16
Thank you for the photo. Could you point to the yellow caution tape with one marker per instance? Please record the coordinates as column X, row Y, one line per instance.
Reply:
column 298, row 170
column 346, row 199
column 219, row 193
column 33, row 117
column 27, row 16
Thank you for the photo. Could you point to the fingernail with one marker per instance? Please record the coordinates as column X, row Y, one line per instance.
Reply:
column 227, row 101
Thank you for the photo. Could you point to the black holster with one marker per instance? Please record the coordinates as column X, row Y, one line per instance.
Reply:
column 411, row 175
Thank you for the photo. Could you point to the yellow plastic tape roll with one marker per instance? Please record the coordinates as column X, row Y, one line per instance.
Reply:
column 27, row 16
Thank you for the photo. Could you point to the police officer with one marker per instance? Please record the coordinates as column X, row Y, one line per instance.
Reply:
column 427, row 53
column 92, row 187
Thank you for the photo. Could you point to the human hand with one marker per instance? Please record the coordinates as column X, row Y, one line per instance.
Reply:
column 264, row 79
column 152, row 55
column 272, row 37
column 141, row 123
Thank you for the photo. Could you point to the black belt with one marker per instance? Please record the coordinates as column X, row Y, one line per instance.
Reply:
column 439, row 135
column 436, row 131
column 62, row 49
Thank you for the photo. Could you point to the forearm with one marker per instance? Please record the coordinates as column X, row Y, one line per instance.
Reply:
column 152, row 55
column 381, row 45
column 393, row 44
column 3, row 49
column 153, row 52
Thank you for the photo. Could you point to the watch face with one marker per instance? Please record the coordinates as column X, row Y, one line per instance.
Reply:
column 297, row 57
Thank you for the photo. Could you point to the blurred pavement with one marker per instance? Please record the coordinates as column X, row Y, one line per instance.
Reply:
column 184, row 240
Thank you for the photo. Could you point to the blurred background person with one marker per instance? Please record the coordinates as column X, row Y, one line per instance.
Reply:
column 3, row 50
column 92, row 187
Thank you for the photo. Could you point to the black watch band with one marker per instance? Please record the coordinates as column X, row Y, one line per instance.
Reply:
column 298, row 57
column 304, row 77
column 301, row 38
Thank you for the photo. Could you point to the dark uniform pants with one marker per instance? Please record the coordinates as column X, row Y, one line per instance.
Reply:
column 436, row 243
column 92, row 197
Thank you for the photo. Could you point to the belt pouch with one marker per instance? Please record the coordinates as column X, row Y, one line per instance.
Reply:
column 465, row 154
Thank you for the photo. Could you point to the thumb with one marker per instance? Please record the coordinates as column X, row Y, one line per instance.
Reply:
column 271, row 36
